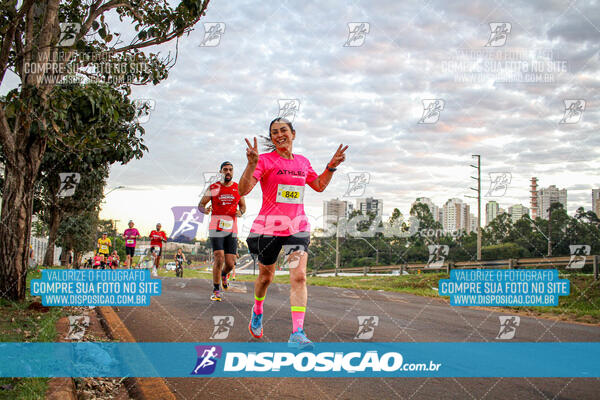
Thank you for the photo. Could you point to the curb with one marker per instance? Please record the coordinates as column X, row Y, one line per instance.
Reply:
column 142, row 388
column 61, row 388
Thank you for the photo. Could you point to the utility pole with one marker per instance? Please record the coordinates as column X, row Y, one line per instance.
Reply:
column 550, row 229
column 478, row 197
column 337, row 246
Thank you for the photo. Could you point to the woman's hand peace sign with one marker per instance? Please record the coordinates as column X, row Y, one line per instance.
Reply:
column 252, row 152
column 339, row 157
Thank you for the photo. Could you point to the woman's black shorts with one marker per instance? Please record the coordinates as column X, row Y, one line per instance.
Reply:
column 267, row 247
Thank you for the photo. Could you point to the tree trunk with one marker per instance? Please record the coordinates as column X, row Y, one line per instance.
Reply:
column 20, row 172
column 55, row 219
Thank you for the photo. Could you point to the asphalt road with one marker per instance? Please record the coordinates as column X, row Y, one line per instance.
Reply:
column 184, row 313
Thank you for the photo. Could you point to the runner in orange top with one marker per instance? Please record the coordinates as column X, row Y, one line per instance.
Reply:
column 224, row 201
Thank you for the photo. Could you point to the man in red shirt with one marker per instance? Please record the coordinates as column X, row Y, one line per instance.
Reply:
column 224, row 201
column 157, row 237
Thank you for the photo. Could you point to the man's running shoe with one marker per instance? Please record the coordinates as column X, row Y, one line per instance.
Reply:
column 216, row 296
column 224, row 282
column 255, row 326
column 298, row 339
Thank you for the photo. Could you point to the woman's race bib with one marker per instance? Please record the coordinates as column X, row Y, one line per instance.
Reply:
column 291, row 194
column 130, row 241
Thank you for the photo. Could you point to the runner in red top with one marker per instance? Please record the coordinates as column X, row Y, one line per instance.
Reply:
column 157, row 237
column 224, row 201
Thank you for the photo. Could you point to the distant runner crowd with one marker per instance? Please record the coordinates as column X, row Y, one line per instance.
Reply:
column 105, row 259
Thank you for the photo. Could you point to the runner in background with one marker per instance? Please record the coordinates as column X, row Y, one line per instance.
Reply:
column 179, row 260
column 70, row 258
column 104, row 244
column 157, row 237
column 282, row 222
column 224, row 201
column 115, row 259
column 98, row 260
column 130, row 235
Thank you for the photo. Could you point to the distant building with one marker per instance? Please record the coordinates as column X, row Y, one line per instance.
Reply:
column 457, row 216
column 596, row 201
column 492, row 209
column 517, row 211
column 547, row 196
column 534, row 198
column 332, row 210
column 370, row 204
column 435, row 210
column 472, row 224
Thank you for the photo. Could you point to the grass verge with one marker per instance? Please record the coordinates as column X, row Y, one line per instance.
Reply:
column 27, row 321
column 582, row 304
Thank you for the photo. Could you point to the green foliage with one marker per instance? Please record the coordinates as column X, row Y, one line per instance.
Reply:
column 78, row 232
column 501, row 239
column 503, row 251
column 119, row 245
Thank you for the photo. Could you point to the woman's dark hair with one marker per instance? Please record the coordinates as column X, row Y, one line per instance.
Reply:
column 268, row 145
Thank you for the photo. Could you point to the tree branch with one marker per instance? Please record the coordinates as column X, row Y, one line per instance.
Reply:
column 46, row 34
column 6, row 137
column 95, row 11
column 9, row 36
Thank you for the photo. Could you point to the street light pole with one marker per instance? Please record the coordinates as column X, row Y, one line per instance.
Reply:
column 337, row 246
column 478, row 190
column 113, row 189
column 550, row 230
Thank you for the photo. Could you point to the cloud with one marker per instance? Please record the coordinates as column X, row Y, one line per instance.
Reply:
column 370, row 97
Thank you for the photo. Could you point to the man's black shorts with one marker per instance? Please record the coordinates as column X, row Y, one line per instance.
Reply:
column 222, row 240
column 268, row 247
column 156, row 249
column 129, row 250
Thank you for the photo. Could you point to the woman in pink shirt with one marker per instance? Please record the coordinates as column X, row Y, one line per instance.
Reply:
column 282, row 222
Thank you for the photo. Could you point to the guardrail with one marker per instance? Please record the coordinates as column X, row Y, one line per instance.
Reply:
column 512, row 263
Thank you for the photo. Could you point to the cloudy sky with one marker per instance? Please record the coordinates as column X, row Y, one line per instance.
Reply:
column 504, row 101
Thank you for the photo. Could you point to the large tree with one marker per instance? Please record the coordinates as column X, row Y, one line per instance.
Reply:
column 34, row 48
column 95, row 141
